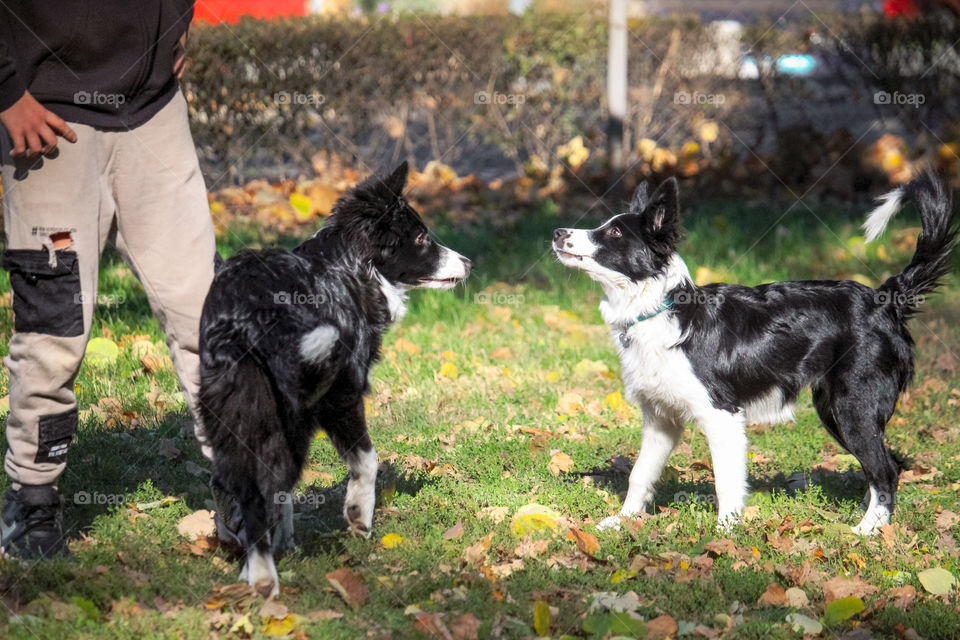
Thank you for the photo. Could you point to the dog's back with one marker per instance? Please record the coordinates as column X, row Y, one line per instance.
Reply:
column 287, row 340
column 271, row 347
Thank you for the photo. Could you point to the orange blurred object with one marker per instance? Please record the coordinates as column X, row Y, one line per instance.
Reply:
column 232, row 10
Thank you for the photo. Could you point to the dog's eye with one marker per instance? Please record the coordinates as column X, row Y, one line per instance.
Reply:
column 422, row 239
column 614, row 232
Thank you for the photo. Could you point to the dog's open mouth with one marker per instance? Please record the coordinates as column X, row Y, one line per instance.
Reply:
column 568, row 255
column 439, row 282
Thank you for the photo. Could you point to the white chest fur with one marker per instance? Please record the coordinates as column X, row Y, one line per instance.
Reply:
column 656, row 372
column 396, row 299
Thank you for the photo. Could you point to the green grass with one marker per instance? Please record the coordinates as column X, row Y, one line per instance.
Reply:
column 454, row 446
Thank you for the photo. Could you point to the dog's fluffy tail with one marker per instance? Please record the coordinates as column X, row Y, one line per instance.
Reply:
column 243, row 420
column 931, row 261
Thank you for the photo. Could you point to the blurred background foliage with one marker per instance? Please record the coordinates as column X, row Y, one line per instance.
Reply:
column 521, row 99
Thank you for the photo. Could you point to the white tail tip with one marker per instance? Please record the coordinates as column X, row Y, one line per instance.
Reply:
column 878, row 219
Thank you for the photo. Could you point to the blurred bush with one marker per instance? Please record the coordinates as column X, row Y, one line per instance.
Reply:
column 524, row 96
column 472, row 92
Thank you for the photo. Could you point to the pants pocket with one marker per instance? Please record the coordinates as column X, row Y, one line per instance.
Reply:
column 46, row 299
column 55, row 432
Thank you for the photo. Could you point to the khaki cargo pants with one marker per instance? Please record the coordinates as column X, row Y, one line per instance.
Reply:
column 142, row 190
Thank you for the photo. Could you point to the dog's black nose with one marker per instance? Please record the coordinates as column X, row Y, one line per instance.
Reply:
column 560, row 234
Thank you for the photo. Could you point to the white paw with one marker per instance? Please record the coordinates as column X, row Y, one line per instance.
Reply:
column 609, row 524
column 261, row 573
column 870, row 528
column 876, row 516
column 361, row 494
column 358, row 512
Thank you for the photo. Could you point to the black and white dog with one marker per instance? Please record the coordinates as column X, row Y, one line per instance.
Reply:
column 724, row 355
column 287, row 341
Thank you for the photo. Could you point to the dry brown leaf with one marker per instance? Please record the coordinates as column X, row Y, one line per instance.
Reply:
column 661, row 627
column 570, row 404
column 721, row 546
column 454, row 532
column 501, row 353
column 796, row 597
column 504, row 569
column 198, row 524
column 840, row 587
column 323, row 614
column 431, row 624
column 903, row 597
column 477, row 553
column 706, row 632
column 779, row 542
column 274, row 609
column 586, row 542
column 530, row 548
column 153, row 362
column 946, row 362
column 889, row 534
column 559, row 462
column 350, row 586
column 947, row 520
column 466, row 627
column 774, row 596
column 497, row 514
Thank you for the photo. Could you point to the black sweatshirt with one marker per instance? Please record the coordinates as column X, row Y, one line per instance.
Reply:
column 104, row 63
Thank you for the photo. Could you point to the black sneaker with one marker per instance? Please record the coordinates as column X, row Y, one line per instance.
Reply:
column 30, row 523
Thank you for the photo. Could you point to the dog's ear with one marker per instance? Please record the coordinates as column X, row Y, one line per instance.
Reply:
column 662, row 213
column 639, row 202
column 397, row 180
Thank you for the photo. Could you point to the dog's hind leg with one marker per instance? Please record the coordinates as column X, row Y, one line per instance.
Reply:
column 823, row 404
column 861, row 424
column 660, row 435
column 282, row 536
column 259, row 570
column 347, row 429
column 727, row 437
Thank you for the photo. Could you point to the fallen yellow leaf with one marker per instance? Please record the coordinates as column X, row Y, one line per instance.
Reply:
column 449, row 370
column 391, row 540
column 614, row 401
column 402, row 344
column 570, row 403
column 534, row 517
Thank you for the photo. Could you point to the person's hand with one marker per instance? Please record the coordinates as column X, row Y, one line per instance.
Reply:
column 180, row 56
column 34, row 129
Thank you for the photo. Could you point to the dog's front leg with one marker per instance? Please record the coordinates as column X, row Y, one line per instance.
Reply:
column 361, row 493
column 661, row 434
column 727, row 437
column 347, row 428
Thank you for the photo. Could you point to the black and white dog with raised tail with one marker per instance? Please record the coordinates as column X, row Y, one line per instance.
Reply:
column 723, row 356
column 287, row 341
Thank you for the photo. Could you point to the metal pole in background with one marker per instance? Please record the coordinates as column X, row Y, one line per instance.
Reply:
column 616, row 93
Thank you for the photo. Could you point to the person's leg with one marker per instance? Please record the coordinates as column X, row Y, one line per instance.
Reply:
column 53, row 208
column 165, row 232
